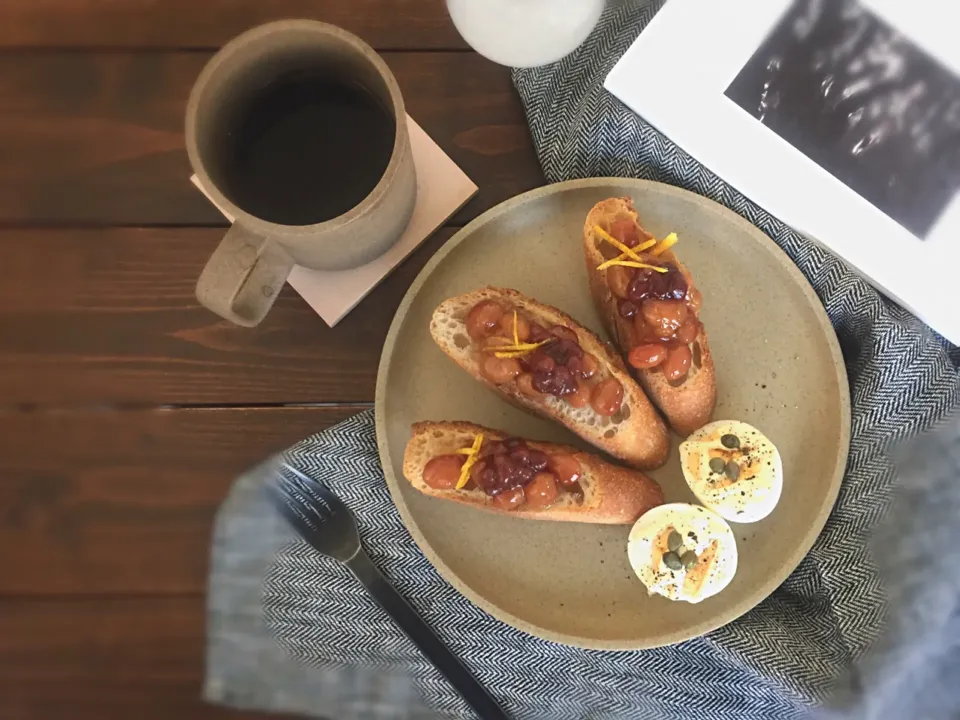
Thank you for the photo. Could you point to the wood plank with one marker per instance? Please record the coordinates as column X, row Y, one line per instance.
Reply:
column 398, row 24
column 123, row 502
column 105, row 659
column 98, row 137
column 109, row 316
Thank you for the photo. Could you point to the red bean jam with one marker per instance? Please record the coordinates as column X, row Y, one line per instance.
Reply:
column 511, row 473
column 558, row 367
column 506, row 465
column 651, row 285
column 663, row 307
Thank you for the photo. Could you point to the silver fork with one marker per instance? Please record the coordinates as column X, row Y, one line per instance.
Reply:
column 323, row 521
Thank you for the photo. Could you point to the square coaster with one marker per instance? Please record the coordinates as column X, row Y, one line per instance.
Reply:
column 442, row 189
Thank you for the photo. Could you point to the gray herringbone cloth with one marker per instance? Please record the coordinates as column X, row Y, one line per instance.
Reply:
column 273, row 600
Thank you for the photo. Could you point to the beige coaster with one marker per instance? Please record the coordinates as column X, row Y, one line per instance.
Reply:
column 442, row 189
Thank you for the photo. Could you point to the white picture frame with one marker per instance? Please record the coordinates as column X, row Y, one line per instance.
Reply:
column 675, row 76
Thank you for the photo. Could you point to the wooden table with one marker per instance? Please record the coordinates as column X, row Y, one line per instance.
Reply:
column 125, row 408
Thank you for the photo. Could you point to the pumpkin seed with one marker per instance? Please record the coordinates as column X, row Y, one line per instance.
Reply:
column 717, row 465
column 672, row 561
column 732, row 470
column 730, row 441
column 674, row 541
column 689, row 559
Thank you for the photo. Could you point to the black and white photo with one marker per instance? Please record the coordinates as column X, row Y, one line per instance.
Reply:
column 862, row 101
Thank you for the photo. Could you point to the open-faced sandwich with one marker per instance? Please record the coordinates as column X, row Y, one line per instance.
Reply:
column 649, row 304
column 487, row 469
column 543, row 360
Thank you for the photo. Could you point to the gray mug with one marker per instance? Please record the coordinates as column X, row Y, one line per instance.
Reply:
column 245, row 273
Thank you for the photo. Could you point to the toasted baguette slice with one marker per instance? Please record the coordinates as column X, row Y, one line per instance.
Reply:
column 637, row 434
column 688, row 406
column 611, row 495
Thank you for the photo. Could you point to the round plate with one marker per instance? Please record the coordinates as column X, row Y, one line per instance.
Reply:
column 778, row 367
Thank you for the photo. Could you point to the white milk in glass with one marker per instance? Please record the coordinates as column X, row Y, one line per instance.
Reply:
column 524, row 33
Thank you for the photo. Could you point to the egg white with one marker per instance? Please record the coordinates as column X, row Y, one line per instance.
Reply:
column 703, row 531
column 757, row 490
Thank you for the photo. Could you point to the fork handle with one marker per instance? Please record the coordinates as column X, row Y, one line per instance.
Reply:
column 424, row 638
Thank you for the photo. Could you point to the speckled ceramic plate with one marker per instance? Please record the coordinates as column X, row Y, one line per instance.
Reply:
column 778, row 367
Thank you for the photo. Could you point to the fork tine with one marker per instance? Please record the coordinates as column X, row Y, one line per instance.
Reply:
column 317, row 498
column 314, row 512
column 288, row 508
column 300, row 496
column 318, row 486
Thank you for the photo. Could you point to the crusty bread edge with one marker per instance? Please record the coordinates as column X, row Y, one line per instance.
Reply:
column 618, row 496
column 642, row 440
column 688, row 406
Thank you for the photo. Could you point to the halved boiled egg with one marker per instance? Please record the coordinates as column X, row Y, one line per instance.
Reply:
column 733, row 469
column 683, row 552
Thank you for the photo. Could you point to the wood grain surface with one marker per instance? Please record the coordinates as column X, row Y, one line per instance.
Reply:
column 97, row 138
column 116, row 658
column 96, row 503
column 175, row 24
column 126, row 410
column 108, row 316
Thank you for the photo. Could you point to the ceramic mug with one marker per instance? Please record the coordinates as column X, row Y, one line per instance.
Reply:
column 280, row 196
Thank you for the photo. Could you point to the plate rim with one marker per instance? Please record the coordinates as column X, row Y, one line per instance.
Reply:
column 706, row 625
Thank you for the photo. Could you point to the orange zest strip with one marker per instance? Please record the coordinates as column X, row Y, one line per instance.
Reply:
column 630, row 263
column 518, row 350
column 604, row 235
column 668, row 242
column 473, row 454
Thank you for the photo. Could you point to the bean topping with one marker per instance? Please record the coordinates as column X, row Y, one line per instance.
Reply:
column 647, row 356
column 566, row 468
column 510, row 500
column 649, row 284
column 542, row 492
column 483, row 319
column 540, row 360
column 660, row 303
column 607, row 397
column 443, row 471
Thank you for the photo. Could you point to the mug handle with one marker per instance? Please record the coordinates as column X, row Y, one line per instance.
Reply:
column 243, row 277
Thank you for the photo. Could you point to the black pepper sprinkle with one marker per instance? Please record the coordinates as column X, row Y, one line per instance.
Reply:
column 764, row 387
column 739, row 512
column 741, row 492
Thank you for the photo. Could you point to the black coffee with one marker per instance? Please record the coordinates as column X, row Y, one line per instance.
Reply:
column 306, row 149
